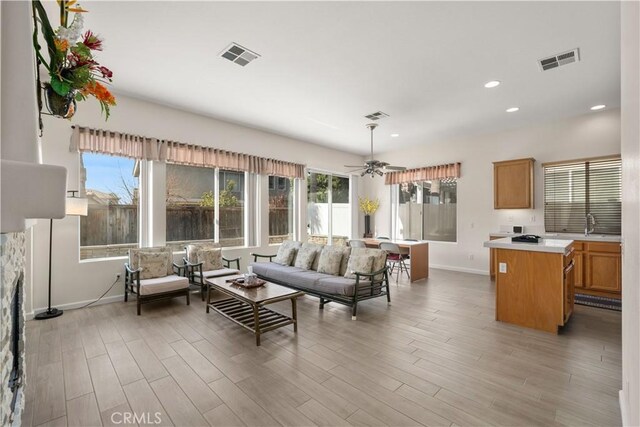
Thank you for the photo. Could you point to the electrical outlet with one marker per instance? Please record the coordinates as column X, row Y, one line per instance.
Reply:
column 503, row 267
column 510, row 219
column 117, row 276
column 473, row 225
column 533, row 219
column 471, row 257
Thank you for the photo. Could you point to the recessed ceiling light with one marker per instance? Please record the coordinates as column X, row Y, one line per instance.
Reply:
column 395, row 135
column 492, row 83
column 512, row 109
column 598, row 107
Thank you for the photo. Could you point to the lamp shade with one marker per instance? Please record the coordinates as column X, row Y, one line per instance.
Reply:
column 77, row 206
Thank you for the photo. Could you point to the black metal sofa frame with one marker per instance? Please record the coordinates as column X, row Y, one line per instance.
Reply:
column 362, row 292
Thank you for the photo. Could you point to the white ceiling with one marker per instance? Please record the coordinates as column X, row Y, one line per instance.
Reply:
column 325, row 65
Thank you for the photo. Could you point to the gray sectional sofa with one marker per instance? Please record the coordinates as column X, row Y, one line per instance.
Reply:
column 320, row 271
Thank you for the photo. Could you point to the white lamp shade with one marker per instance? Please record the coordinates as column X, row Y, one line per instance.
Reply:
column 77, row 206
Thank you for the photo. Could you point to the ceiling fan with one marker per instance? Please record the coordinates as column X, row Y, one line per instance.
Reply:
column 374, row 167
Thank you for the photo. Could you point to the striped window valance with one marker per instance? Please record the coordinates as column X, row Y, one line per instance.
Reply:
column 144, row 148
column 451, row 170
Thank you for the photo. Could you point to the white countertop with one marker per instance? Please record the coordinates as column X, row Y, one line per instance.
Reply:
column 568, row 236
column 558, row 246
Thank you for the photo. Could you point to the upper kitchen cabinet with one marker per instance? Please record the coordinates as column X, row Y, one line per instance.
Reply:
column 513, row 184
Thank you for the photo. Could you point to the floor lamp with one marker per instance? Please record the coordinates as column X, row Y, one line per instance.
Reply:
column 75, row 206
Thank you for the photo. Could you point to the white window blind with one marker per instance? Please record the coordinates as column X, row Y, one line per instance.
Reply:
column 574, row 189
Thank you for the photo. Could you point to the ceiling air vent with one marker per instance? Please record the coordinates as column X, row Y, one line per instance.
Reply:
column 377, row 115
column 238, row 54
column 560, row 59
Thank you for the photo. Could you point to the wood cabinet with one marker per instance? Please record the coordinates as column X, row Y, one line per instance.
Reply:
column 536, row 288
column 492, row 259
column 598, row 268
column 569, row 288
column 513, row 184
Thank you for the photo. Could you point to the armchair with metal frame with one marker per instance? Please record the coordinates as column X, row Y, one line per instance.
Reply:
column 166, row 284
column 194, row 267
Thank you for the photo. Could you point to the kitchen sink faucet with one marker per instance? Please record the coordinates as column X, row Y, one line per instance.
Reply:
column 589, row 219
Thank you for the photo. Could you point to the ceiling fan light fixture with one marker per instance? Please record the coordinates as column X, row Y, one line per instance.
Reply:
column 374, row 167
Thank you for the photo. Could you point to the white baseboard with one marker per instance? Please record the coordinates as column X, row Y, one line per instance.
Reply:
column 460, row 269
column 623, row 408
column 71, row 306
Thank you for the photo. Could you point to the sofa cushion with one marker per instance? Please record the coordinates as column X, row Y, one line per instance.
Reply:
column 153, row 264
column 281, row 273
column 337, row 285
column 330, row 259
column 305, row 279
column 163, row 284
column 359, row 264
column 260, row 268
column 379, row 258
column 211, row 258
column 306, row 255
column 220, row 272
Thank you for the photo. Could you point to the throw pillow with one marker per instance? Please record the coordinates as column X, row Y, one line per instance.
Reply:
column 330, row 259
column 346, row 253
column 153, row 264
column 211, row 259
column 285, row 255
column 359, row 264
column 306, row 255
column 379, row 258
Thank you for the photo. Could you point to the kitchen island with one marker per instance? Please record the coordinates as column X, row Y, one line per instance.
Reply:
column 534, row 282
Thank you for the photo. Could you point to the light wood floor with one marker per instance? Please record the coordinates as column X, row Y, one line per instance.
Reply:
column 434, row 357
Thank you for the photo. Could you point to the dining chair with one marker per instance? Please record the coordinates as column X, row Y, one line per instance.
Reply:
column 382, row 238
column 395, row 259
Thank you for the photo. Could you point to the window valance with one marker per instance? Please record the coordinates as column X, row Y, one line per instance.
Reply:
column 451, row 170
column 144, row 148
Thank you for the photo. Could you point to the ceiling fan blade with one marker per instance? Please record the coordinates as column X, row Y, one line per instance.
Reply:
column 355, row 166
column 395, row 168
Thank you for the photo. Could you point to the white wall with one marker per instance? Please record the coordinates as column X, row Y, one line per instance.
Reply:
column 630, row 43
column 591, row 135
column 75, row 281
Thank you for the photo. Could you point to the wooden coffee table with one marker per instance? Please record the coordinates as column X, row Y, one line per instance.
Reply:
column 246, row 307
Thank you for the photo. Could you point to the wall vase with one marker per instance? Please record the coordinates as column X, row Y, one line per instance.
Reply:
column 58, row 105
column 367, row 226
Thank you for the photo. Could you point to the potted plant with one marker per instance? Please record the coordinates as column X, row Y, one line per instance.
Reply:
column 368, row 207
column 74, row 73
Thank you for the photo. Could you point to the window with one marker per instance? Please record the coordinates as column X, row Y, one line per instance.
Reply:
column 190, row 205
column 572, row 190
column 427, row 210
column 281, row 209
column 328, row 208
column 409, row 224
column 192, row 201
column 111, row 186
column 231, row 188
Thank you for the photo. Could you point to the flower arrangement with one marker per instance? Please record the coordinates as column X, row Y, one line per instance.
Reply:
column 73, row 71
column 368, row 206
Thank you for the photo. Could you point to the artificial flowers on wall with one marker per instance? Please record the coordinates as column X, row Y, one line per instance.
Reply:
column 74, row 73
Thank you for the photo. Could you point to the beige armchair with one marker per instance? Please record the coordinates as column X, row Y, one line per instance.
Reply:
column 151, row 274
column 205, row 261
